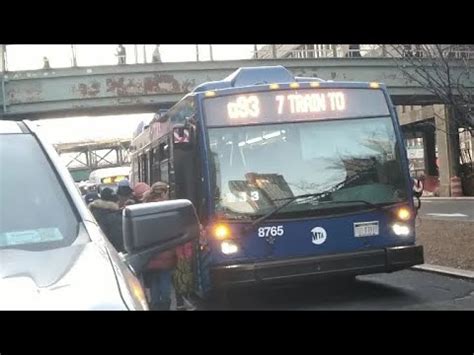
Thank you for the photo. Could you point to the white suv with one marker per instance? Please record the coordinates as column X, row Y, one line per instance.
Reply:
column 53, row 254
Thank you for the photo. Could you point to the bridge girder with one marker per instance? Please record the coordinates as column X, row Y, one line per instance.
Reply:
column 140, row 88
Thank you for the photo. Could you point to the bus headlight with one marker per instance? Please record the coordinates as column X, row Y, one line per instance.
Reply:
column 401, row 230
column 229, row 247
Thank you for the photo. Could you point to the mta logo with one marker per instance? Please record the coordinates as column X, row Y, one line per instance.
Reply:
column 319, row 235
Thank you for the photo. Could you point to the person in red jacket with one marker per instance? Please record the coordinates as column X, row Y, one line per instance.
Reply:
column 161, row 267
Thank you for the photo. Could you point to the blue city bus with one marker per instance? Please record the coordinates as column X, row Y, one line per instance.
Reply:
column 293, row 178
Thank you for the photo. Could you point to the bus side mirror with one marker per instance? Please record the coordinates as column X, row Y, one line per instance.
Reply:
column 183, row 135
column 151, row 228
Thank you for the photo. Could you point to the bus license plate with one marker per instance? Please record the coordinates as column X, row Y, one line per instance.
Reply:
column 366, row 229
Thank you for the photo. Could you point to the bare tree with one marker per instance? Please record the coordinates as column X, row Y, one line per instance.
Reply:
column 444, row 70
column 432, row 67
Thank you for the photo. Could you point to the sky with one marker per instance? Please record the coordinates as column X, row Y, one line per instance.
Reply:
column 76, row 129
column 26, row 57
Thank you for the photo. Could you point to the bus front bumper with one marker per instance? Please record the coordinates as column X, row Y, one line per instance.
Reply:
column 357, row 263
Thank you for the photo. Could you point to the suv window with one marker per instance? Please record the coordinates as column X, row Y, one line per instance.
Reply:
column 35, row 213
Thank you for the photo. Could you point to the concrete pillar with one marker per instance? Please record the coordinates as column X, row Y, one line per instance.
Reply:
column 448, row 150
column 430, row 152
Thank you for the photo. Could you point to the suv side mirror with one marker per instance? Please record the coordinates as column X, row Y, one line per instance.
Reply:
column 150, row 228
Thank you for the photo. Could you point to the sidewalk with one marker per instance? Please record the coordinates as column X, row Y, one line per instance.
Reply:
column 447, row 243
column 459, row 273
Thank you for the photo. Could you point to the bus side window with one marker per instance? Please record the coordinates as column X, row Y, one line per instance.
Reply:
column 164, row 160
column 155, row 165
column 149, row 161
column 143, row 168
column 139, row 170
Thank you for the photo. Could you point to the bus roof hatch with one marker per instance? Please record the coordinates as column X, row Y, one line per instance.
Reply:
column 248, row 76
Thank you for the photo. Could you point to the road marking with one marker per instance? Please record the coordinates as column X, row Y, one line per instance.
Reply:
column 447, row 214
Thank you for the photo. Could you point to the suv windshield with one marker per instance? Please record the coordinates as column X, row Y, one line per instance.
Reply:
column 256, row 168
column 35, row 213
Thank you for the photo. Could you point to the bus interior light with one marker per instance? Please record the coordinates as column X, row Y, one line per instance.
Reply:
column 314, row 84
column 374, row 85
column 274, row 86
column 294, row 85
column 210, row 93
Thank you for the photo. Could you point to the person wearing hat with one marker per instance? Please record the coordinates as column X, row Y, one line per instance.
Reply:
column 109, row 217
column 91, row 194
column 124, row 193
column 139, row 191
column 158, row 192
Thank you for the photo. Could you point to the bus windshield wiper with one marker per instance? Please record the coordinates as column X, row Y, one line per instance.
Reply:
column 289, row 200
column 370, row 204
column 324, row 193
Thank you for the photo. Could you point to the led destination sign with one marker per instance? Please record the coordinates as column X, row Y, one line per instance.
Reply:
column 294, row 105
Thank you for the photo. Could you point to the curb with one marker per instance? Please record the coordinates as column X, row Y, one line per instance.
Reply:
column 458, row 273
column 448, row 198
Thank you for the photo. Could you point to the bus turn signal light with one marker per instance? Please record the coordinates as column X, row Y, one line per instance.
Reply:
column 403, row 214
column 221, row 231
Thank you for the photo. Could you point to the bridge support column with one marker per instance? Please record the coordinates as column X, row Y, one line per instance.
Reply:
column 430, row 152
column 448, row 150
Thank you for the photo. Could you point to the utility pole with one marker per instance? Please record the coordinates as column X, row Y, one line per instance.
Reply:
column 3, row 58
column 197, row 52
column 74, row 60
column 144, row 54
column 274, row 51
column 210, row 52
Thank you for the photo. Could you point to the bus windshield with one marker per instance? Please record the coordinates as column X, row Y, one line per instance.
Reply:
column 257, row 167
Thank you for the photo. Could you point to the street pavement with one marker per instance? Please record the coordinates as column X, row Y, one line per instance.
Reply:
column 403, row 290
column 447, row 209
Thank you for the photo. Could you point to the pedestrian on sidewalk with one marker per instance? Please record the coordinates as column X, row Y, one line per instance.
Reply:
column 156, row 57
column 46, row 63
column 121, row 54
